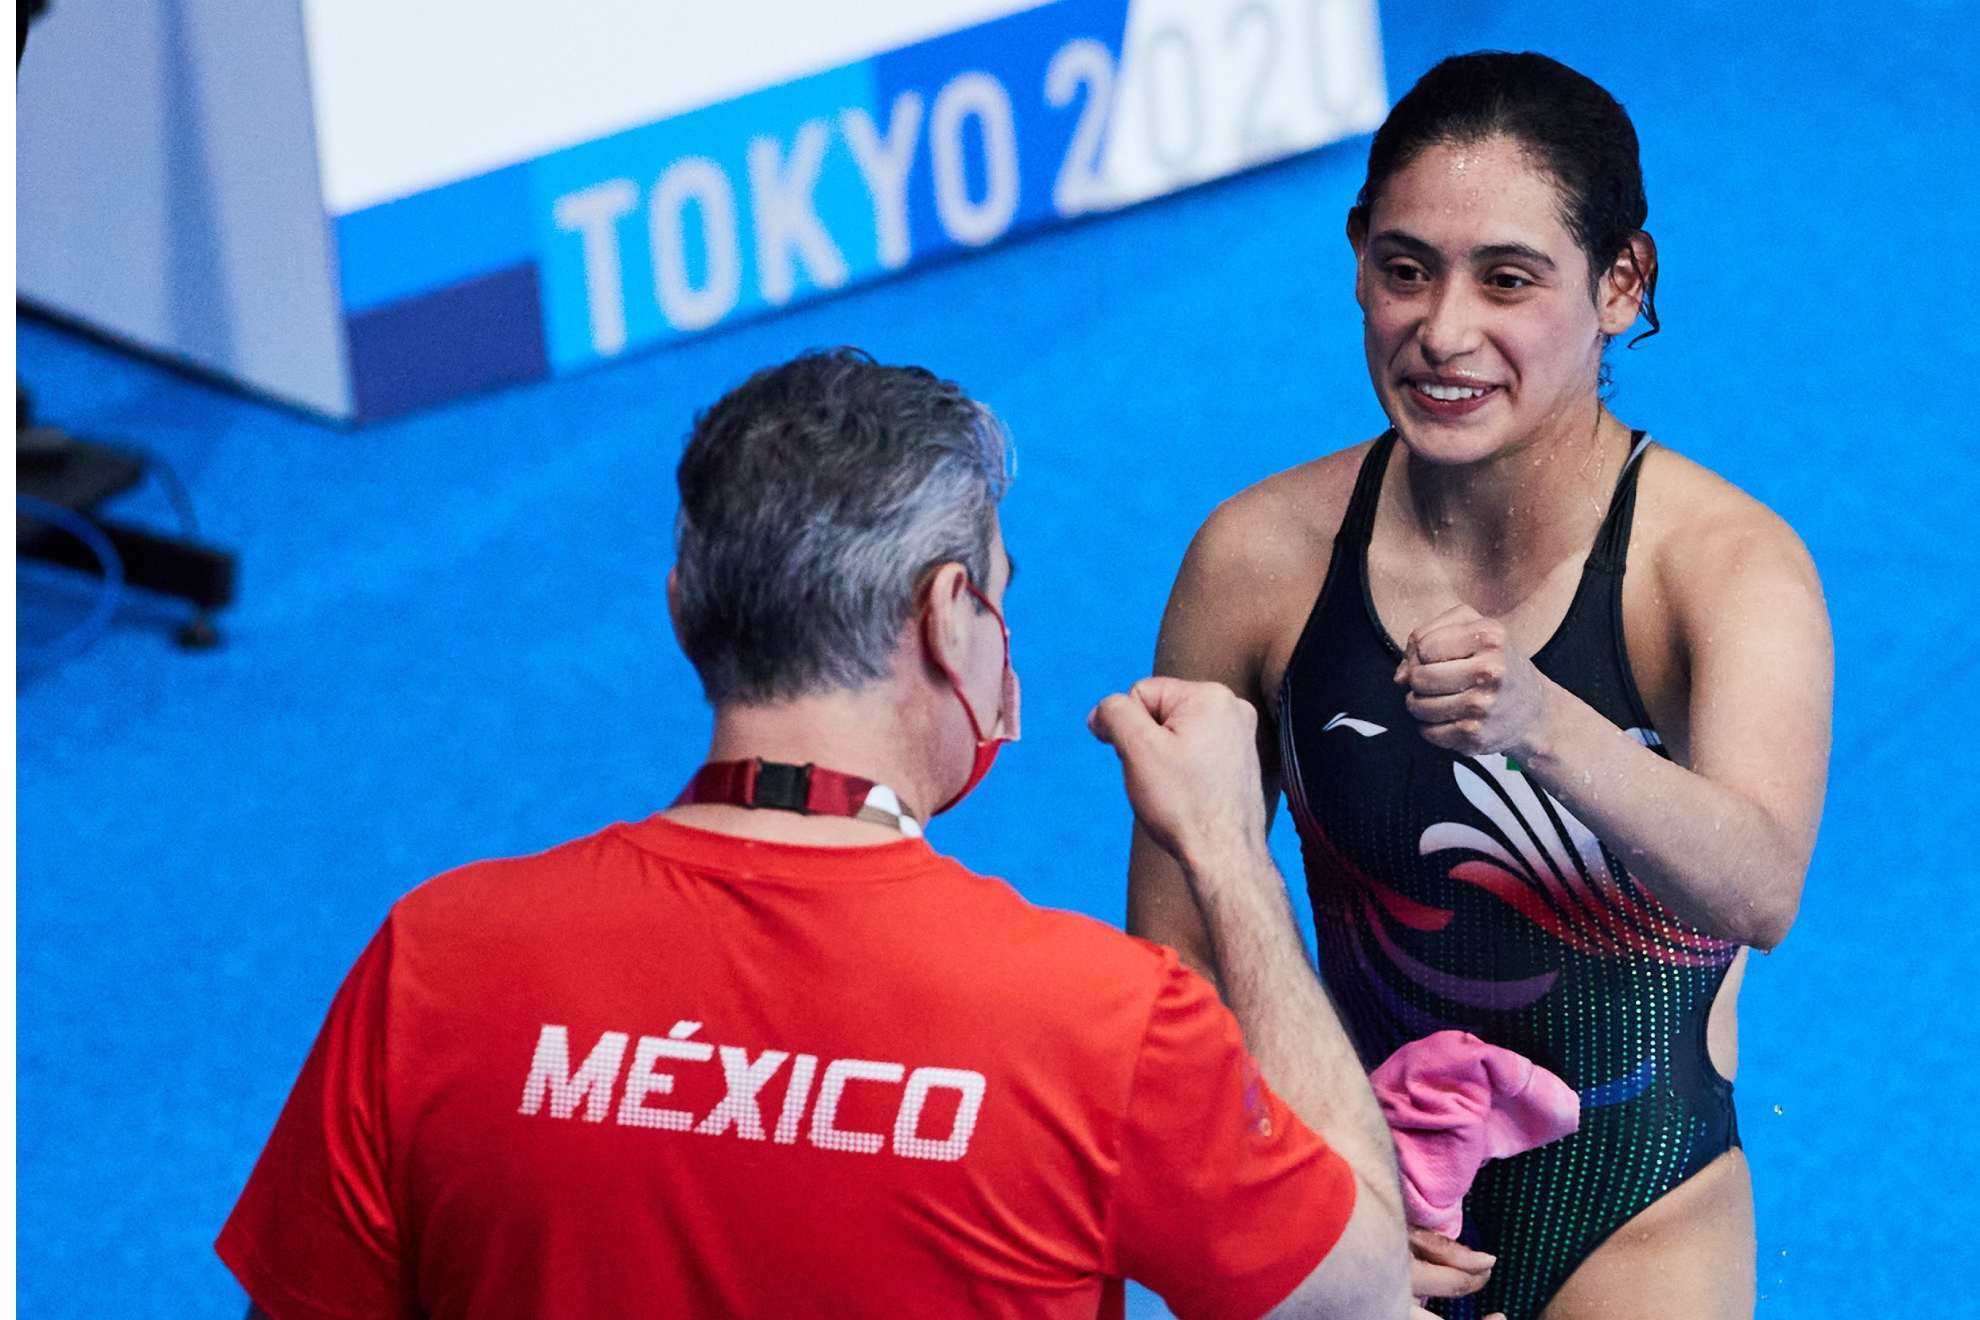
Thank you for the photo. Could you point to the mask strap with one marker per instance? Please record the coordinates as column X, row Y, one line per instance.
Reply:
column 928, row 644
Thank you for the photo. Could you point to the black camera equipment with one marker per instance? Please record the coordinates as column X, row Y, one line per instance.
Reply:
column 78, row 475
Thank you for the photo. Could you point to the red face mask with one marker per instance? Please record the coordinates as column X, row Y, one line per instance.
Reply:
column 986, row 748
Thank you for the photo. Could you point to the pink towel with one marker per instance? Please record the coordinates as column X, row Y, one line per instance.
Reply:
column 1454, row 1102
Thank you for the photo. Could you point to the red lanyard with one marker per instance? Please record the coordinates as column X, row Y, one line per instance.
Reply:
column 810, row 790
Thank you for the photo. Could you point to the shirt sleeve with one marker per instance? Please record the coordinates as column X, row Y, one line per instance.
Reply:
column 314, row 1234
column 1225, row 1200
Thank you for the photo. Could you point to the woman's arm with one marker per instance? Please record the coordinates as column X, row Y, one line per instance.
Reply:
column 1217, row 628
column 1725, row 841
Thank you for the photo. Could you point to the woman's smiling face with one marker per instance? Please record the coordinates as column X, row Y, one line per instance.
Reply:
column 1478, row 324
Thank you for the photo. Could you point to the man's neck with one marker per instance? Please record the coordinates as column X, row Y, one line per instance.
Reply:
column 868, row 733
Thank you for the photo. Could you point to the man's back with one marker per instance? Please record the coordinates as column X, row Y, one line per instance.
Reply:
column 660, row 1069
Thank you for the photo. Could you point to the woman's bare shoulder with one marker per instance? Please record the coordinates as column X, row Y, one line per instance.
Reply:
column 1282, row 523
column 1698, row 529
column 1252, row 572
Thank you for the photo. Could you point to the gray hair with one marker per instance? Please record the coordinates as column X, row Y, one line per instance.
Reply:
column 814, row 496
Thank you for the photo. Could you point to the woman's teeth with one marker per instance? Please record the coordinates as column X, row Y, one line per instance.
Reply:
column 1448, row 393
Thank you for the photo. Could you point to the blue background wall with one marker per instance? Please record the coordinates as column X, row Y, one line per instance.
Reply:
column 452, row 639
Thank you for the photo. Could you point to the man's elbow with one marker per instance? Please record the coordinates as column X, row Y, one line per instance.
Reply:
column 1365, row 1275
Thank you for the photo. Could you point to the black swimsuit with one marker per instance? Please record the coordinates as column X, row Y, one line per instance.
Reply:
column 1452, row 892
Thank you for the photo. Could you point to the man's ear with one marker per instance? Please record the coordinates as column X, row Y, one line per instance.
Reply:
column 1625, row 285
column 674, row 599
column 947, row 606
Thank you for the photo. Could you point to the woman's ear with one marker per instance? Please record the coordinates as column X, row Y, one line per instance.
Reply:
column 1357, row 237
column 1626, row 285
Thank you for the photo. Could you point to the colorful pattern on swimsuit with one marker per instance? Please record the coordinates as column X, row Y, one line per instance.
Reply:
column 1452, row 891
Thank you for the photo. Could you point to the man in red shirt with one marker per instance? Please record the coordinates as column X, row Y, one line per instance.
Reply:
column 766, row 1052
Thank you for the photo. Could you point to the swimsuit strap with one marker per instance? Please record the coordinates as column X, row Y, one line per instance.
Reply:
column 1358, row 524
column 1611, row 552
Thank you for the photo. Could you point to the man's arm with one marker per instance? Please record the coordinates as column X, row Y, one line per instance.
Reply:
column 1290, row 1027
column 1289, row 1023
column 1188, row 758
column 1191, row 774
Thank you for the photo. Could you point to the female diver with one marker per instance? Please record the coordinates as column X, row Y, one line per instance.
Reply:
column 1549, row 702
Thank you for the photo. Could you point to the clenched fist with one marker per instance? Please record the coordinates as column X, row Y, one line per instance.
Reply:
column 1470, row 692
column 1189, row 756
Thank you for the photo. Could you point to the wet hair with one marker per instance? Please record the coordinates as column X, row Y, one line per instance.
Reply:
column 813, row 497
column 1565, row 120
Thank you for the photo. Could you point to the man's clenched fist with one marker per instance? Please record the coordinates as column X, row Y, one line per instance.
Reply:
column 1189, row 756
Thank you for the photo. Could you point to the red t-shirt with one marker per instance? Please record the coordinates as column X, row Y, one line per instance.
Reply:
column 664, row 1071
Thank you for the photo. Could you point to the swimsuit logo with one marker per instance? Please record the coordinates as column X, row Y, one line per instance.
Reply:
column 1344, row 721
column 1542, row 861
